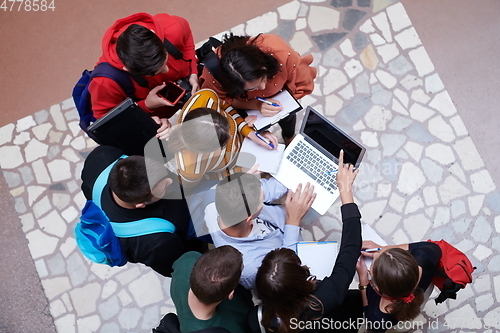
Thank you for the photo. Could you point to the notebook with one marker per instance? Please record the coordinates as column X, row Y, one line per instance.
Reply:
column 288, row 102
column 318, row 256
column 251, row 153
column 312, row 157
column 368, row 234
column 126, row 126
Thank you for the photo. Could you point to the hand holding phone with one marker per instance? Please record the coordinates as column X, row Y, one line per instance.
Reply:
column 172, row 93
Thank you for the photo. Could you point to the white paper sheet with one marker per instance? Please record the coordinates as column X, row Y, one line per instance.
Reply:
column 288, row 103
column 318, row 256
column 268, row 160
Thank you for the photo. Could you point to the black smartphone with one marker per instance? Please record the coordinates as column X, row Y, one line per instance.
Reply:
column 172, row 93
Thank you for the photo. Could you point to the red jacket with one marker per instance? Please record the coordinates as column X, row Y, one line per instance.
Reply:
column 106, row 93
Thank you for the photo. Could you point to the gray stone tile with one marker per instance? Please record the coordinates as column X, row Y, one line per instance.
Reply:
column 493, row 200
column 285, row 29
column 364, row 3
column 351, row 18
column 71, row 115
column 399, row 66
column 13, row 179
column 353, row 111
column 303, row 10
column 481, row 232
column 419, row 134
column 362, row 83
column 41, row 116
column 461, row 225
column 324, row 41
column 53, row 152
column 495, row 243
column 433, row 171
column 390, row 169
column 399, row 123
column 56, row 264
column 380, row 95
column 19, row 205
column 109, row 308
column 333, row 58
column 129, row 318
column 150, row 318
column 77, row 269
column 57, row 187
column 360, row 41
column 458, row 208
column 494, row 264
column 110, row 328
column 341, row 3
column 27, row 175
column 445, row 233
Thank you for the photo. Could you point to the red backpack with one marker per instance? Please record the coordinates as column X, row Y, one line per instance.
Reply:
column 454, row 271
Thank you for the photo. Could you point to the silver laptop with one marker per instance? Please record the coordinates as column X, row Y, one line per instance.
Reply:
column 313, row 155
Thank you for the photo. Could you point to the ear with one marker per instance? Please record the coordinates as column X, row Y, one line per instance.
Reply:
column 249, row 219
column 231, row 295
column 140, row 205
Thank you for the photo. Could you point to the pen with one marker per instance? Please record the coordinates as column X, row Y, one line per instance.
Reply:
column 265, row 140
column 372, row 250
column 266, row 101
column 329, row 173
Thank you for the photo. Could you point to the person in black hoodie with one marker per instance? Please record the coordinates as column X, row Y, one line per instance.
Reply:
column 293, row 300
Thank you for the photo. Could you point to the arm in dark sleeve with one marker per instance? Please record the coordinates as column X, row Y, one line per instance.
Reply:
column 333, row 289
column 158, row 251
column 427, row 255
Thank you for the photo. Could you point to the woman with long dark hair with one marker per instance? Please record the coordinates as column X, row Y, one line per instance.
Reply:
column 260, row 66
column 293, row 300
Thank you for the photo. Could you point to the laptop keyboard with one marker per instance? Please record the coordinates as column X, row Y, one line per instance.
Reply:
column 317, row 166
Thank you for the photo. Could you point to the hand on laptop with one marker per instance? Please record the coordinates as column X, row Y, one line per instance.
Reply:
column 165, row 127
column 345, row 177
column 298, row 203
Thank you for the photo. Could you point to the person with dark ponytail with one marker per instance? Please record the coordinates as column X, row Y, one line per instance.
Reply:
column 260, row 66
column 399, row 276
column 293, row 300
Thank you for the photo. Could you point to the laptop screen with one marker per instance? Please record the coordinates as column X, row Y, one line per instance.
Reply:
column 330, row 138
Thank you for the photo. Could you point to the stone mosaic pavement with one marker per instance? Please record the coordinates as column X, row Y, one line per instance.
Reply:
column 421, row 178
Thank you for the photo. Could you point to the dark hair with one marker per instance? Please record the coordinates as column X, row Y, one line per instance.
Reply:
column 234, row 194
column 243, row 62
column 141, row 50
column 197, row 129
column 133, row 178
column 286, row 289
column 216, row 274
column 395, row 274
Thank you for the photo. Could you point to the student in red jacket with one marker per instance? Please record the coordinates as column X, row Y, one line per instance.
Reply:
column 136, row 44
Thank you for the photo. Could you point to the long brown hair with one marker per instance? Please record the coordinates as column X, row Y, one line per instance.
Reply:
column 395, row 274
column 286, row 289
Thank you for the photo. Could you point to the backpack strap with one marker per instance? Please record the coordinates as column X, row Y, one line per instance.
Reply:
column 101, row 181
column 142, row 227
column 134, row 228
column 104, row 69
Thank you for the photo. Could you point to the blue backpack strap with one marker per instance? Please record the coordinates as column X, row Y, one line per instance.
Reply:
column 134, row 228
column 101, row 181
column 151, row 225
column 121, row 77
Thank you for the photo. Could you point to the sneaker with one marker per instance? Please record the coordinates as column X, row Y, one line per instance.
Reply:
column 168, row 324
